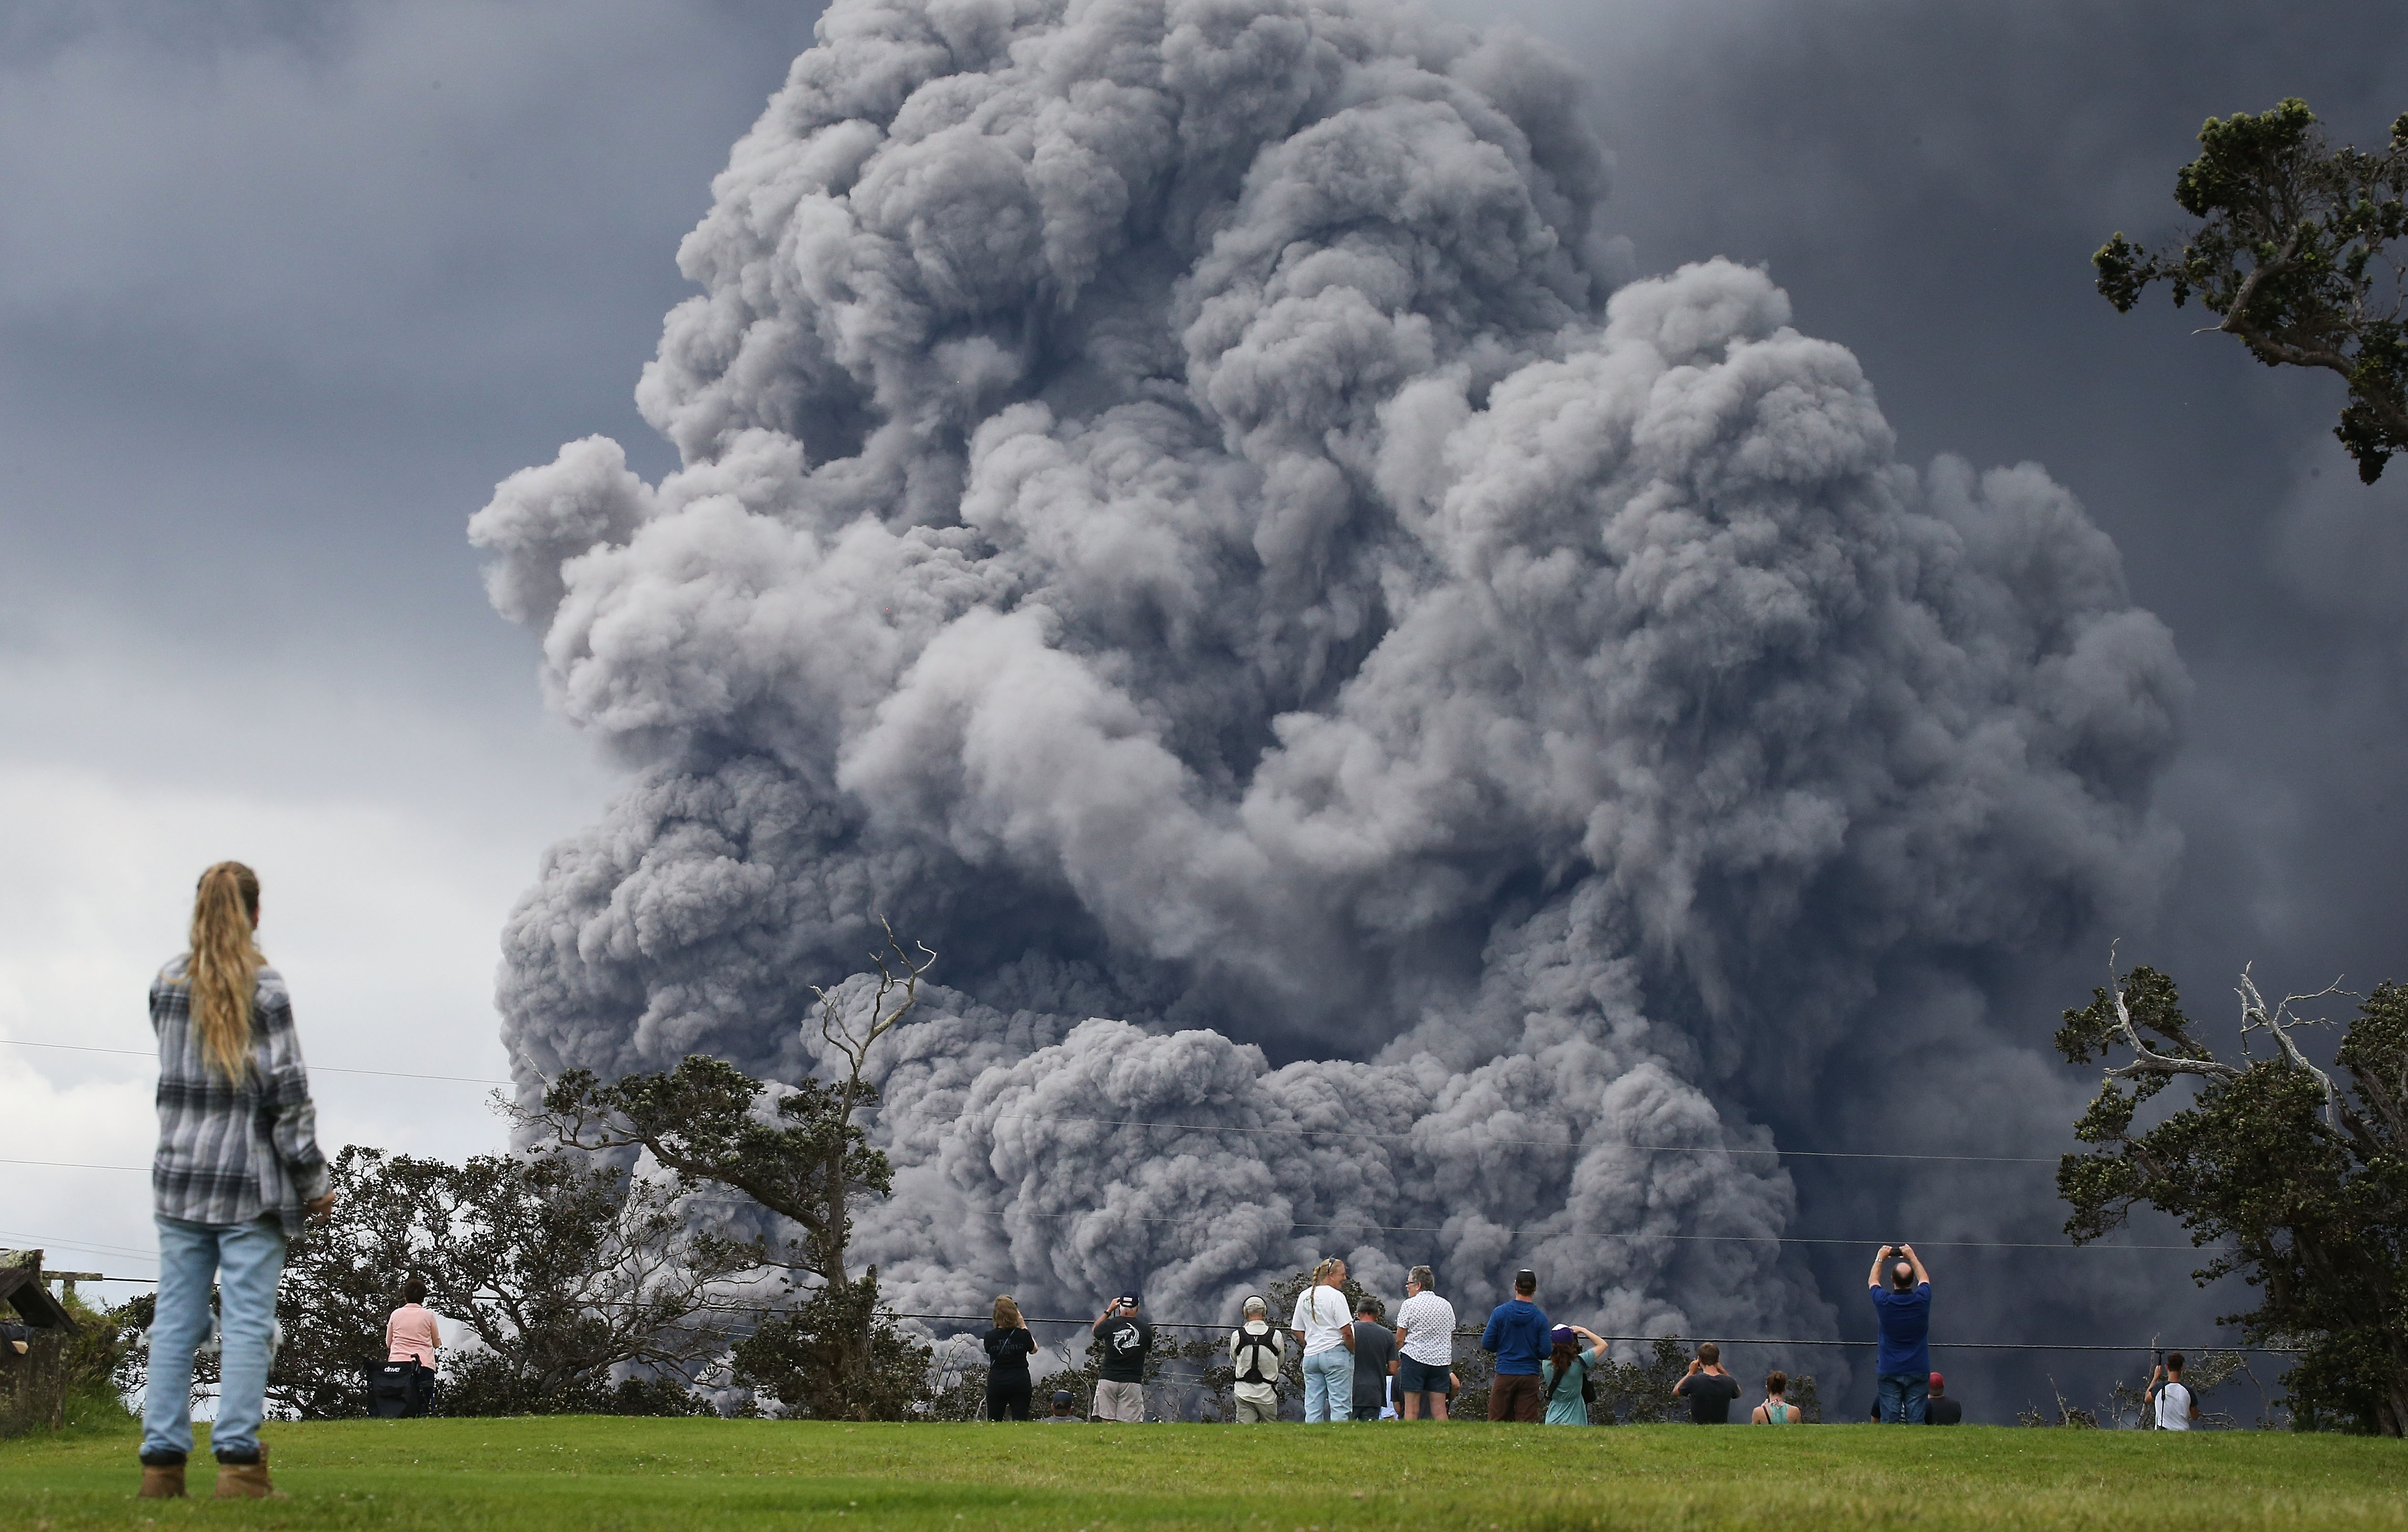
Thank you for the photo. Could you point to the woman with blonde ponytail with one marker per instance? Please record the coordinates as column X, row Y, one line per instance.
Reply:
column 236, row 1169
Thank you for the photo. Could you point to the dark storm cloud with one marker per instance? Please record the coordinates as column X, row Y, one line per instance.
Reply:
column 283, row 287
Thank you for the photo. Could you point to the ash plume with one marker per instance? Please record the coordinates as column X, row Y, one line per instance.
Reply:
column 1183, row 510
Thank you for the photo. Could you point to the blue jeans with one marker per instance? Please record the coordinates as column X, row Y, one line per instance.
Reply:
column 1329, row 1384
column 245, row 1261
column 1902, row 1394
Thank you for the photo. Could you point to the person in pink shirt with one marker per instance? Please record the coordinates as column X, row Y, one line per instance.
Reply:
column 410, row 1336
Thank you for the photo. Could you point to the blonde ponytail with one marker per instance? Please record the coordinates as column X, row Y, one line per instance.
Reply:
column 224, row 967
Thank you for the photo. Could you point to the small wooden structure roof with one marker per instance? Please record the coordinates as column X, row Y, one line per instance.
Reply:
column 22, row 1288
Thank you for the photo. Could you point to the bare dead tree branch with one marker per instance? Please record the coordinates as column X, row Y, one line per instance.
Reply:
column 898, row 977
column 2281, row 1021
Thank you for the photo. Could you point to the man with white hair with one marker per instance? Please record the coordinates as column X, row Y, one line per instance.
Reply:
column 1426, row 1347
column 1256, row 1352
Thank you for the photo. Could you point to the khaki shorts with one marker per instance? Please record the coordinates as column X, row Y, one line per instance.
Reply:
column 1255, row 1413
column 1119, row 1402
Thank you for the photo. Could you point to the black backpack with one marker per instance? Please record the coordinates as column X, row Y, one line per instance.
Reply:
column 1248, row 1356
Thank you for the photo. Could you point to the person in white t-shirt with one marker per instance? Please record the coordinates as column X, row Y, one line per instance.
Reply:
column 1426, row 1347
column 1323, row 1325
column 2176, row 1407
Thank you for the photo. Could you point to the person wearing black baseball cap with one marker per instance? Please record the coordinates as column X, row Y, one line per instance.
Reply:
column 1120, row 1380
column 1066, row 1409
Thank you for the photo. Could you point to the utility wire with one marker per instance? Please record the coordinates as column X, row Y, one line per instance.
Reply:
column 315, row 1068
column 45, row 1243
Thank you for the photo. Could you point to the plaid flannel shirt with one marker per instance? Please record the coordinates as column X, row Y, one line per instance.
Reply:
column 230, row 1152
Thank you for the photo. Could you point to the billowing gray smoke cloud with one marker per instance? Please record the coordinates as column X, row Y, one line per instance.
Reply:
column 1176, row 514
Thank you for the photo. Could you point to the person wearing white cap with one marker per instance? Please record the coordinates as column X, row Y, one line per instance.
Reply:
column 1256, row 1352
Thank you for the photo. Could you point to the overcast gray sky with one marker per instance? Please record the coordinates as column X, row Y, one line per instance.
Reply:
column 284, row 289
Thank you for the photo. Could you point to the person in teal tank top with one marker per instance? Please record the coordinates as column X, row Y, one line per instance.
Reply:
column 1565, row 1370
column 1776, row 1410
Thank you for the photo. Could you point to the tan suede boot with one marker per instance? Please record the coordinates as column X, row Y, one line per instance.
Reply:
column 164, row 1483
column 246, row 1481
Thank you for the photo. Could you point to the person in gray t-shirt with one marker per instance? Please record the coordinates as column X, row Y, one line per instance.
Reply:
column 1375, row 1358
column 1066, row 1409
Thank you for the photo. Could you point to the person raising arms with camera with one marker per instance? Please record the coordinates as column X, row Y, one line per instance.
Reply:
column 1120, row 1380
column 1901, row 1295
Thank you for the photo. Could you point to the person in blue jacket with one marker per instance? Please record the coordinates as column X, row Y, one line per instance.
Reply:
column 1519, row 1334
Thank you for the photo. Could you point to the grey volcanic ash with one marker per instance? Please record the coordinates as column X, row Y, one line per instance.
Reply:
column 1183, row 510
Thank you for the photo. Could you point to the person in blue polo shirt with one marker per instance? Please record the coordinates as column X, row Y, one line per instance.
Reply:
column 1901, row 1295
column 1519, row 1334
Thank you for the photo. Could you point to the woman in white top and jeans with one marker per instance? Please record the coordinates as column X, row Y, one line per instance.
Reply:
column 1320, row 1326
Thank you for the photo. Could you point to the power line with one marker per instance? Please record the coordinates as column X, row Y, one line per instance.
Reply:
column 45, row 1243
column 315, row 1068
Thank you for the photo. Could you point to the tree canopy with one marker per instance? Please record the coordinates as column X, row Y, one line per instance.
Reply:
column 832, row 1351
column 2295, row 1180
column 2296, row 254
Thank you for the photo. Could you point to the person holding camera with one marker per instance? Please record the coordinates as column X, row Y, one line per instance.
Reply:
column 1901, row 1295
column 1120, row 1380
column 2171, row 1403
column 1009, row 1346
column 1709, row 1388
column 1563, row 1376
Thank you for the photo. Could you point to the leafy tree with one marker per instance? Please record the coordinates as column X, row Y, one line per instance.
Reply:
column 832, row 1353
column 2295, row 255
column 568, row 1275
column 836, row 1355
column 1640, row 1392
column 2305, row 1174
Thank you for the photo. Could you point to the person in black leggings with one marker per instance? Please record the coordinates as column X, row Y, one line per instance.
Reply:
column 1009, row 1347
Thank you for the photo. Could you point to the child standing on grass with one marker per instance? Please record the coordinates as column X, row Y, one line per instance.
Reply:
column 236, row 1166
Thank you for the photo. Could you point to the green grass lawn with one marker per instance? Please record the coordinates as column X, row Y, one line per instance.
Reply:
column 525, row 1475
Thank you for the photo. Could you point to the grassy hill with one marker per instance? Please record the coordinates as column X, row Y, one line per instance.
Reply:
column 528, row 1474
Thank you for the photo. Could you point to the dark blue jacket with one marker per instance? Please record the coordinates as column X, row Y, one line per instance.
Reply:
column 1518, row 1333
